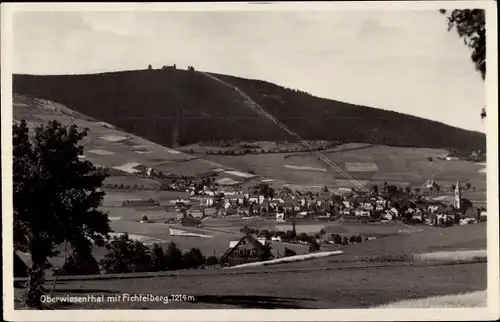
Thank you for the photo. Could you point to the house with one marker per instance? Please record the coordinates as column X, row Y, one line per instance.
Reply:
column 324, row 200
column 394, row 212
column 361, row 212
column 346, row 212
column 388, row 216
column 417, row 216
column 246, row 250
column 273, row 202
column 296, row 205
column 266, row 204
column 254, row 199
column 197, row 212
column 436, row 208
column 366, row 205
column 280, row 217
column 236, row 199
column 288, row 204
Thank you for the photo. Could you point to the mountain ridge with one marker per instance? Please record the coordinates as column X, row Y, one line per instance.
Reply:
column 162, row 105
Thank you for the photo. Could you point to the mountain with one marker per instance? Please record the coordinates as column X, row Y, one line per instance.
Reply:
column 176, row 107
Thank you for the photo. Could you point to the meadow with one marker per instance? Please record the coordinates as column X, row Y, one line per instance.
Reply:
column 369, row 165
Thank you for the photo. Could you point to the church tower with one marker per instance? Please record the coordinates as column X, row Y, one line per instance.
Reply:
column 456, row 201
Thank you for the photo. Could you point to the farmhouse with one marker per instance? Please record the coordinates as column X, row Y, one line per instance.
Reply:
column 247, row 249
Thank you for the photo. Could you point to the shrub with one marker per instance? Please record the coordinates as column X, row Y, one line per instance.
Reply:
column 145, row 218
column 345, row 241
column 337, row 239
column 314, row 245
column 359, row 239
column 265, row 234
column 352, row 239
column 303, row 237
column 266, row 254
column 80, row 263
column 289, row 252
column 212, row 261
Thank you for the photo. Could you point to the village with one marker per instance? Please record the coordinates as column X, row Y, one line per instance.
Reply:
column 256, row 198
column 389, row 202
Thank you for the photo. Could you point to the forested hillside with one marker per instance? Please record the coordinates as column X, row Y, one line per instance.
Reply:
column 177, row 107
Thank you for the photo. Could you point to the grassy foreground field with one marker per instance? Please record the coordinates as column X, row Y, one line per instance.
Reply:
column 325, row 289
column 399, row 247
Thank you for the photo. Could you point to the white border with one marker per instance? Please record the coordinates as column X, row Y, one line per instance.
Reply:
column 492, row 312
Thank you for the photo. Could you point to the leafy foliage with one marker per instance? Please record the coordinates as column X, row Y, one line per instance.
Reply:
column 471, row 27
column 193, row 259
column 81, row 263
column 314, row 245
column 152, row 103
column 173, row 257
column 212, row 261
column 289, row 252
column 56, row 196
column 126, row 256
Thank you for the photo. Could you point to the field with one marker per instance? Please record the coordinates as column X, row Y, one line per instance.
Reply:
column 467, row 237
column 368, row 164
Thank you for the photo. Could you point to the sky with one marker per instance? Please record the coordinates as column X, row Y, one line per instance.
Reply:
column 404, row 61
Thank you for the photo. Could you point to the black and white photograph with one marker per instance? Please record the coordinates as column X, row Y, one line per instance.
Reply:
column 250, row 157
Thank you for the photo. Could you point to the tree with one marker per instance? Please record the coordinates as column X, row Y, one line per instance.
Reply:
column 56, row 197
column 337, row 239
column 266, row 253
column 212, row 261
column 193, row 259
column 468, row 186
column 150, row 67
column 289, row 252
column 173, row 256
column 314, row 245
column 80, row 263
column 429, row 159
column 126, row 256
column 159, row 260
column 471, row 27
